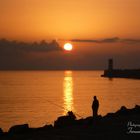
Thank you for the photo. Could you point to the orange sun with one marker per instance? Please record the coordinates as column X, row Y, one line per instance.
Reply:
column 68, row 47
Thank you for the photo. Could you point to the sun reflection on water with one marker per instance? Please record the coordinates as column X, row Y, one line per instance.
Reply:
column 68, row 92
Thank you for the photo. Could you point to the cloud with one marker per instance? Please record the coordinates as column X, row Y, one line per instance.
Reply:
column 7, row 46
column 22, row 55
column 131, row 40
column 84, row 40
column 108, row 40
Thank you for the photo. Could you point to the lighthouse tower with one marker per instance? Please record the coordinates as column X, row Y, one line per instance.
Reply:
column 110, row 64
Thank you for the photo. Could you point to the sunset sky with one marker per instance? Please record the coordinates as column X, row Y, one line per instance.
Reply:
column 87, row 23
column 39, row 19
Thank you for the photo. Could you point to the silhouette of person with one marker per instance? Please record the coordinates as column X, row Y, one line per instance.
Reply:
column 95, row 106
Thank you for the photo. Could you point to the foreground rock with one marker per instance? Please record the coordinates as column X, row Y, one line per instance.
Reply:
column 1, row 132
column 123, row 124
column 19, row 129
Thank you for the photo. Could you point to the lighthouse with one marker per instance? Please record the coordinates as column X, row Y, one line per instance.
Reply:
column 110, row 64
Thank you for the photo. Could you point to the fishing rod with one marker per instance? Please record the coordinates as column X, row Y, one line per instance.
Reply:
column 63, row 108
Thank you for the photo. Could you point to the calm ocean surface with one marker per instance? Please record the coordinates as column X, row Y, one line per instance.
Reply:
column 39, row 97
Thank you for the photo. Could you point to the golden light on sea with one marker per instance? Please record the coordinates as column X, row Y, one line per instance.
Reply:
column 68, row 92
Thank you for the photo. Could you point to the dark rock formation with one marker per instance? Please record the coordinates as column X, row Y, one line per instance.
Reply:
column 111, row 126
column 67, row 120
column 19, row 129
column 1, row 132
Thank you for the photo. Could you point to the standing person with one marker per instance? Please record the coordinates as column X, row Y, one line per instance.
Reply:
column 95, row 106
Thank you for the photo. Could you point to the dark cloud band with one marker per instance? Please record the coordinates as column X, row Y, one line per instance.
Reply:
column 108, row 40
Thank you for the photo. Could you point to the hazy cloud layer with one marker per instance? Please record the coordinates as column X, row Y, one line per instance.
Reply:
column 35, row 56
column 21, row 55
column 7, row 46
column 108, row 40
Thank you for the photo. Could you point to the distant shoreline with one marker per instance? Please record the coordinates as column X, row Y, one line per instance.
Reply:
column 51, row 70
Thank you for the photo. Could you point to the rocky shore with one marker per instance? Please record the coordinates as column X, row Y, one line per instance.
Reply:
column 123, row 124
